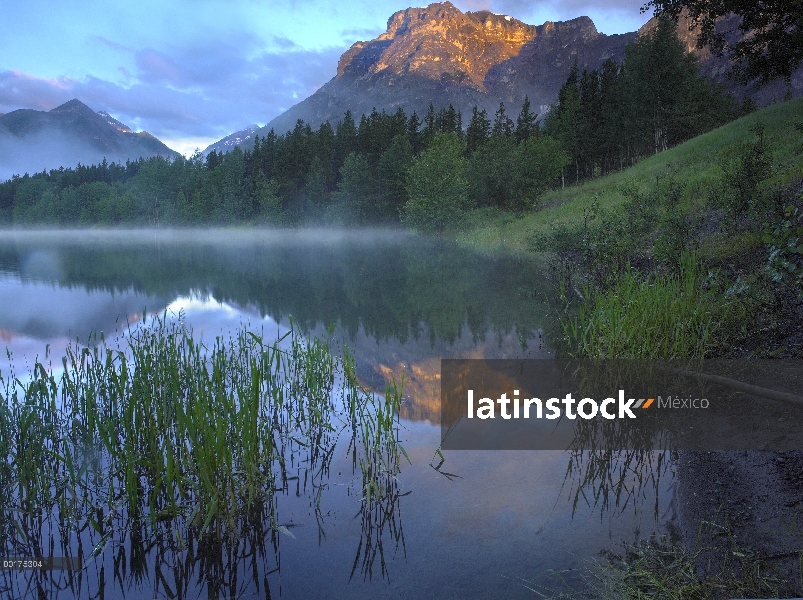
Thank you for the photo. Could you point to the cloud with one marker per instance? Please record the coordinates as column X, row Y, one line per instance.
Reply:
column 180, row 93
column 217, row 73
column 157, row 67
column 475, row 5
column 616, row 16
column 361, row 34
column 112, row 45
column 19, row 90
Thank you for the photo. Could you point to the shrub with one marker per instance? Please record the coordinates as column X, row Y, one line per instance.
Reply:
column 785, row 241
column 436, row 186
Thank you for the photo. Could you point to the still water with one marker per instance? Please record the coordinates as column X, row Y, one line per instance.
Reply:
column 483, row 525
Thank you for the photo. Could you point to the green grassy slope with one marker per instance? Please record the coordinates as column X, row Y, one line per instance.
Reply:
column 698, row 164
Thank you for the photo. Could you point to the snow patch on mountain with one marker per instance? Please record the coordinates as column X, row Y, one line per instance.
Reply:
column 230, row 142
column 114, row 122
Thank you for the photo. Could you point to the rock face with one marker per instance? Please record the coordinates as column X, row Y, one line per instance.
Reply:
column 441, row 55
column 32, row 140
column 718, row 67
column 114, row 122
column 439, row 43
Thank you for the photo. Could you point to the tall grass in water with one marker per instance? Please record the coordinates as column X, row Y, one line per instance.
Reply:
column 663, row 316
column 669, row 316
column 167, row 428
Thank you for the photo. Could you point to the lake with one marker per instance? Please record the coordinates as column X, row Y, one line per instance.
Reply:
column 482, row 525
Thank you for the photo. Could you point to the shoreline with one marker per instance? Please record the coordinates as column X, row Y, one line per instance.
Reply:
column 743, row 504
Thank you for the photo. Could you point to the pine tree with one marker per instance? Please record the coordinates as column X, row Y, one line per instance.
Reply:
column 590, row 121
column 413, row 133
column 392, row 173
column 663, row 88
column 357, row 188
column 503, row 125
column 212, row 161
column 526, row 124
column 449, row 120
column 610, row 146
column 429, row 126
column 325, row 149
column 346, row 139
column 478, row 132
column 563, row 120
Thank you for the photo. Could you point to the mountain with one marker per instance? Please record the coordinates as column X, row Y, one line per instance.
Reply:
column 441, row 55
column 718, row 67
column 114, row 122
column 238, row 138
column 32, row 140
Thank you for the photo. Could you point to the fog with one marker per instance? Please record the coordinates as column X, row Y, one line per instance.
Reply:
column 46, row 150
column 221, row 236
column 398, row 301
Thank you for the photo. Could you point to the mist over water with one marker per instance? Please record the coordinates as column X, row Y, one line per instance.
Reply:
column 399, row 303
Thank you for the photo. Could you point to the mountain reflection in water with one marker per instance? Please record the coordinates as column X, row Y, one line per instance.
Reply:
column 399, row 304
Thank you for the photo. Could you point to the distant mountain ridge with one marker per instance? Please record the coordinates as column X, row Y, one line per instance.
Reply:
column 441, row 55
column 230, row 142
column 114, row 122
column 32, row 140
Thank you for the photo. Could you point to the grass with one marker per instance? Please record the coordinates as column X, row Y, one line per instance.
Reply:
column 661, row 568
column 697, row 164
column 163, row 428
column 665, row 316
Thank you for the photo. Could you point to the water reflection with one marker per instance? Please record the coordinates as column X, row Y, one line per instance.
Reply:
column 400, row 304
column 392, row 286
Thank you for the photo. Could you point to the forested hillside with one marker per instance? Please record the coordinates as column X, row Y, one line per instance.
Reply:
column 390, row 167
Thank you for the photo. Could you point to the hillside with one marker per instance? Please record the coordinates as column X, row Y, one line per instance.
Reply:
column 32, row 140
column 696, row 163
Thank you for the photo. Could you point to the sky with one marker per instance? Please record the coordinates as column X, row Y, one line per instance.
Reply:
column 193, row 71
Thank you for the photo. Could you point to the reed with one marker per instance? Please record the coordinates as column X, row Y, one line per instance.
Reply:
column 161, row 427
column 663, row 316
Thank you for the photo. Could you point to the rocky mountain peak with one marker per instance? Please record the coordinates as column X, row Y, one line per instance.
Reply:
column 74, row 106
column 440, row 55
column 114, row 122
column 439, row 42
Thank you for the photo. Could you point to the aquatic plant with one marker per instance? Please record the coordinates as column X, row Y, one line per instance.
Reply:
column 664, row 316
column 163, row 428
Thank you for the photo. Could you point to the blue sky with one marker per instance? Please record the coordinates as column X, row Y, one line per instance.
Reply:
column 193, row 71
